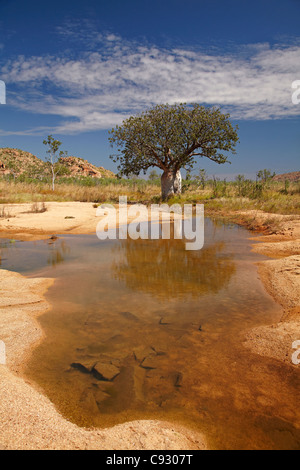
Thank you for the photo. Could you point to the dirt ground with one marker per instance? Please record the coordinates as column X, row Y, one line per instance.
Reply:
column 281, row 278
column 60, row 218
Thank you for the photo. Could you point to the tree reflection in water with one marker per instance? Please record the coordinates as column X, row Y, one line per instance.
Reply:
column 166, row 269
column 58, row 250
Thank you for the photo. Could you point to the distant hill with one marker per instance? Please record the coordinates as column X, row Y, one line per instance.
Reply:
column 293, row 177
column 17, row 162
column 79, row 167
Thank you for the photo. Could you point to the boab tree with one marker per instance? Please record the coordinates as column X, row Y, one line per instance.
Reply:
column 171, row 137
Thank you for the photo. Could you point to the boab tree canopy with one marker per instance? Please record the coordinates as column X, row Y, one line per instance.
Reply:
column 172, row 137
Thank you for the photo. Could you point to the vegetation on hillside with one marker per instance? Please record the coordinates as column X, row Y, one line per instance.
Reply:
column 15, row 164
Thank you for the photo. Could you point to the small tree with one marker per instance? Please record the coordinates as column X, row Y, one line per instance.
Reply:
column 240, row 181
column 13, row 167
column 171, row 137
column 54, row 155
column 202, row 178
column 265, row 175
column 153, row 176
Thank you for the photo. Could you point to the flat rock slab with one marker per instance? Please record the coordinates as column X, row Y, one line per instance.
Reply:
column 105, row 371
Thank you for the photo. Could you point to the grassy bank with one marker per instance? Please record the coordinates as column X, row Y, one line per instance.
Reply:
column 218, row 196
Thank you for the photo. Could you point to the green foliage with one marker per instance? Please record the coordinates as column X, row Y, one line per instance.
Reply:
column 54, row 156
column 286, row 186
column 202, row 178
column 219, row 187
column 154, row 177
column 171, row 137
column 264, row 176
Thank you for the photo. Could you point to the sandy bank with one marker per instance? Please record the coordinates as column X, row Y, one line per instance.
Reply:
column 59, row 218
column 281, row 278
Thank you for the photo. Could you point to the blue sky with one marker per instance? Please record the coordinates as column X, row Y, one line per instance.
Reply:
column 76, row 69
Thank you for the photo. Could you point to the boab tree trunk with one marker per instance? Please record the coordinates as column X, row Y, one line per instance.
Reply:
column 170, row 183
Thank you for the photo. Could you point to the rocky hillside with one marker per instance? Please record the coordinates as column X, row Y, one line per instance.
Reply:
column 16, row 162
column 78, row 167
column 293, row 177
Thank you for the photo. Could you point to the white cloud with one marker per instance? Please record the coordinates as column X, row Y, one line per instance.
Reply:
column 101, row 88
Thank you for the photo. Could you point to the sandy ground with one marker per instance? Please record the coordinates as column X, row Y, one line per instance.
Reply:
column 281, row 277
column 28, row 420
column 60, row 218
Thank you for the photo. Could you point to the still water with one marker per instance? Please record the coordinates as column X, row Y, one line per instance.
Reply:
column 145, row 329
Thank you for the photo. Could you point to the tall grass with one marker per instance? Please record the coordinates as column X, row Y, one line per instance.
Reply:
column 218, row 196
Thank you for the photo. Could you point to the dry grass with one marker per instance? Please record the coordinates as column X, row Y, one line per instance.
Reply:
column 24, row 192
column 4, row 213
column 38, row 208
column 274, row 199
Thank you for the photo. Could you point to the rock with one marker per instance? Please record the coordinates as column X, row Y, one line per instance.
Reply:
column 79, row 167
column 129, row 316
column 293, row 177
column 105, row 371
column 149, row 362
column 101, row 396
column 141, row 353
column 164, row 321
column 178, row 380
column 88, row 400
column 147, row 357
column 80, row 367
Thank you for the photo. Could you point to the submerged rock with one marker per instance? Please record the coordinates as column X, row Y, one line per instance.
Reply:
column 178, row 380
column 129, row 316
column 149, row 362
column 80, row 367
column 164, row 321
column 148, row 357
column 104, row 371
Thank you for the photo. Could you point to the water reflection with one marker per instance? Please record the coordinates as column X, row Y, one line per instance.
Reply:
column 165, row 268
column 57, row 252
column 3, row 247
column 26, row 257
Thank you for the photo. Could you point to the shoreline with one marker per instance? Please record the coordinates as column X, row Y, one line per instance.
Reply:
column 279, row 240
column 281, row 278
column 28, row 420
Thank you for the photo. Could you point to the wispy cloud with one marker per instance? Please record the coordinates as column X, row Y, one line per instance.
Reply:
column 102, row 86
